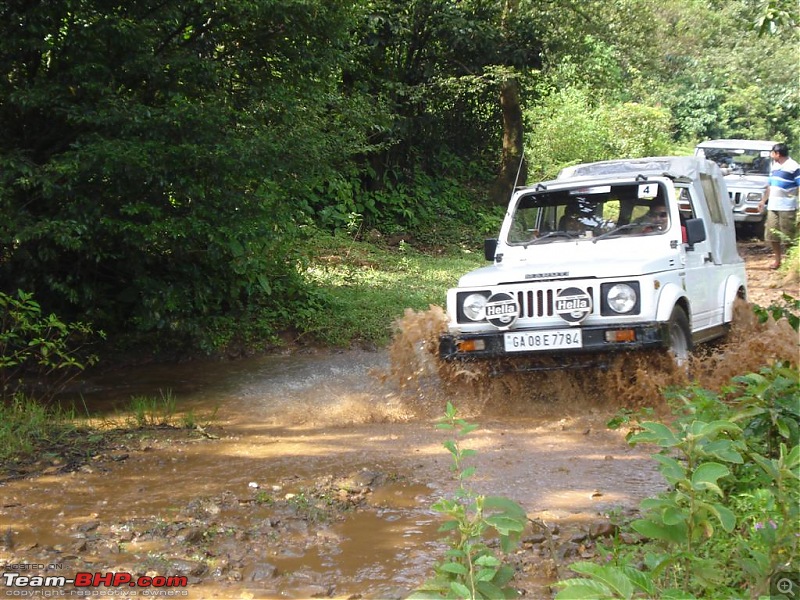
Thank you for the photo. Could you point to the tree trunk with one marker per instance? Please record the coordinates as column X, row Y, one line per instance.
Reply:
column 512, row 171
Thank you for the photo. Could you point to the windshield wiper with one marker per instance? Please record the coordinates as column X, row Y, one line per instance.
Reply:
column 552, row 234
column 616, row 230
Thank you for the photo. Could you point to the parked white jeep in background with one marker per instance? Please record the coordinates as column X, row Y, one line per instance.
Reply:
column 745, row 165
column 610, row 256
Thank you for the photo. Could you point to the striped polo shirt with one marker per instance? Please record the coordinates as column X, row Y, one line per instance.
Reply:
column 784, row 181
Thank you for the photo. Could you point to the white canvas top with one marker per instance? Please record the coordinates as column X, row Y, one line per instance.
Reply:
column 674, row 167
column 736, row 143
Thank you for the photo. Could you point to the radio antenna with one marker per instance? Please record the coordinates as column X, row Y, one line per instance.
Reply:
column 519, row 169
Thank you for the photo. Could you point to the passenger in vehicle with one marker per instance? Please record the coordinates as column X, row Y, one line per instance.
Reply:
column 656, row 218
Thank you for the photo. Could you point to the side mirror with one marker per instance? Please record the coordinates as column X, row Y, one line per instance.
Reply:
column 695, row 231
column 489, row 248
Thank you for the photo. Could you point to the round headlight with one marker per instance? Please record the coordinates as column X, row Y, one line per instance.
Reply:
column 621, row 298
column 474, row 307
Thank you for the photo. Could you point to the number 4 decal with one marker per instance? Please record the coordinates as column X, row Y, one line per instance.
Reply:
column 648, row 190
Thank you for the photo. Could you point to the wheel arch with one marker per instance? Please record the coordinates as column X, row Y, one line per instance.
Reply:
column 735, row 287
column 671, row 296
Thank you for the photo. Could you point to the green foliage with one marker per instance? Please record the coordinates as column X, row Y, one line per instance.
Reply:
column 564, row 130
column 691, row 512
column 27, row 425
column 435, row 67
column 602, row 582
column 679, row 59
column 313, row 507
column 777, row 16
column 472, row 569
column 711, row 92
column 435, row 204
column 155, row 198
column 160, row 165
column 368, row 290
column 149, row 411
column 766, row 402
column 569, row 127
column 638, row 130
column 770, row 403
column 729, row 520
column 788, row 308
column 39, row 353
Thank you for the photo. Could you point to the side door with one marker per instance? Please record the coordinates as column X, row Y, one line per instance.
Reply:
column 699, row 263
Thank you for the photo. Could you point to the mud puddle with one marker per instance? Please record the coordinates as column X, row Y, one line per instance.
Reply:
column 316, row 476
column 319, row 484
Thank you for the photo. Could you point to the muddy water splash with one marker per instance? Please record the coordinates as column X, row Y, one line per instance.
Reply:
column 749, row 346
column 628, row 380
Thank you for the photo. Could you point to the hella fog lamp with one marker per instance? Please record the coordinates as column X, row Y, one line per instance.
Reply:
column 474, row 306
column 621, row 298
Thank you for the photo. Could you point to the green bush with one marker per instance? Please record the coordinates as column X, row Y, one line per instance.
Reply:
column 571, row 126
column 436, row 204
column 39, row 354
column 728, row 522
column 564, row 129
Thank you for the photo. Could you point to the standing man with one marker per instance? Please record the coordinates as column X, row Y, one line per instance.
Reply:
column 781, row 201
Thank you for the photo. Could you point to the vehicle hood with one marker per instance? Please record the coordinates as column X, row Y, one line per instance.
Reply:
column 747, row 181
column 570, row 261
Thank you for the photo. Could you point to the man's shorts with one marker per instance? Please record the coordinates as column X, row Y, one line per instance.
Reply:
column 783, row 221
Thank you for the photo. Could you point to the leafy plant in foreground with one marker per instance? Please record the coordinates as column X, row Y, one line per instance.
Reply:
column 728, row 523
column 471, row 569
column 770, row 404
column 683, row 518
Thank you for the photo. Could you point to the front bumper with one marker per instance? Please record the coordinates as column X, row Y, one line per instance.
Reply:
column 751, row 215
column 595, row 340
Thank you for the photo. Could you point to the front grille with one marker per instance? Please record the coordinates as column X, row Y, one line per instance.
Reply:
column 535, row 303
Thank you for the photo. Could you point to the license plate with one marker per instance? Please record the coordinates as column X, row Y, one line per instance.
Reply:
column 554, row 339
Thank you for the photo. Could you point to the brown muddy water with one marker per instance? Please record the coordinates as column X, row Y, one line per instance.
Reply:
column 316, row 474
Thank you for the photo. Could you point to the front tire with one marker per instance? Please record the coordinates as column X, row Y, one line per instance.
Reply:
column 680, row 336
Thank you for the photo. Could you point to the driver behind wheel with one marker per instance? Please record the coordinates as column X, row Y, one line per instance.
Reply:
column 570, row 221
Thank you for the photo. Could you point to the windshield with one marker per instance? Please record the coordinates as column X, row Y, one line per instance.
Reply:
column 738, row 161
column 590, row 213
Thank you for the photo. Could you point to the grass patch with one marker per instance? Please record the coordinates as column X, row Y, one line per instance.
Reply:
column 162, row 411
column 151, row 411
column 26, row 426
column 368, row 287
column 35, row 436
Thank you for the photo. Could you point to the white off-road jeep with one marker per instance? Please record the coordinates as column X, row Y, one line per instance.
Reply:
column 610, row 256
column 745, row 165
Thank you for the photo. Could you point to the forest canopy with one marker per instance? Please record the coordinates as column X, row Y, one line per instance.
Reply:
column 161, row 161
